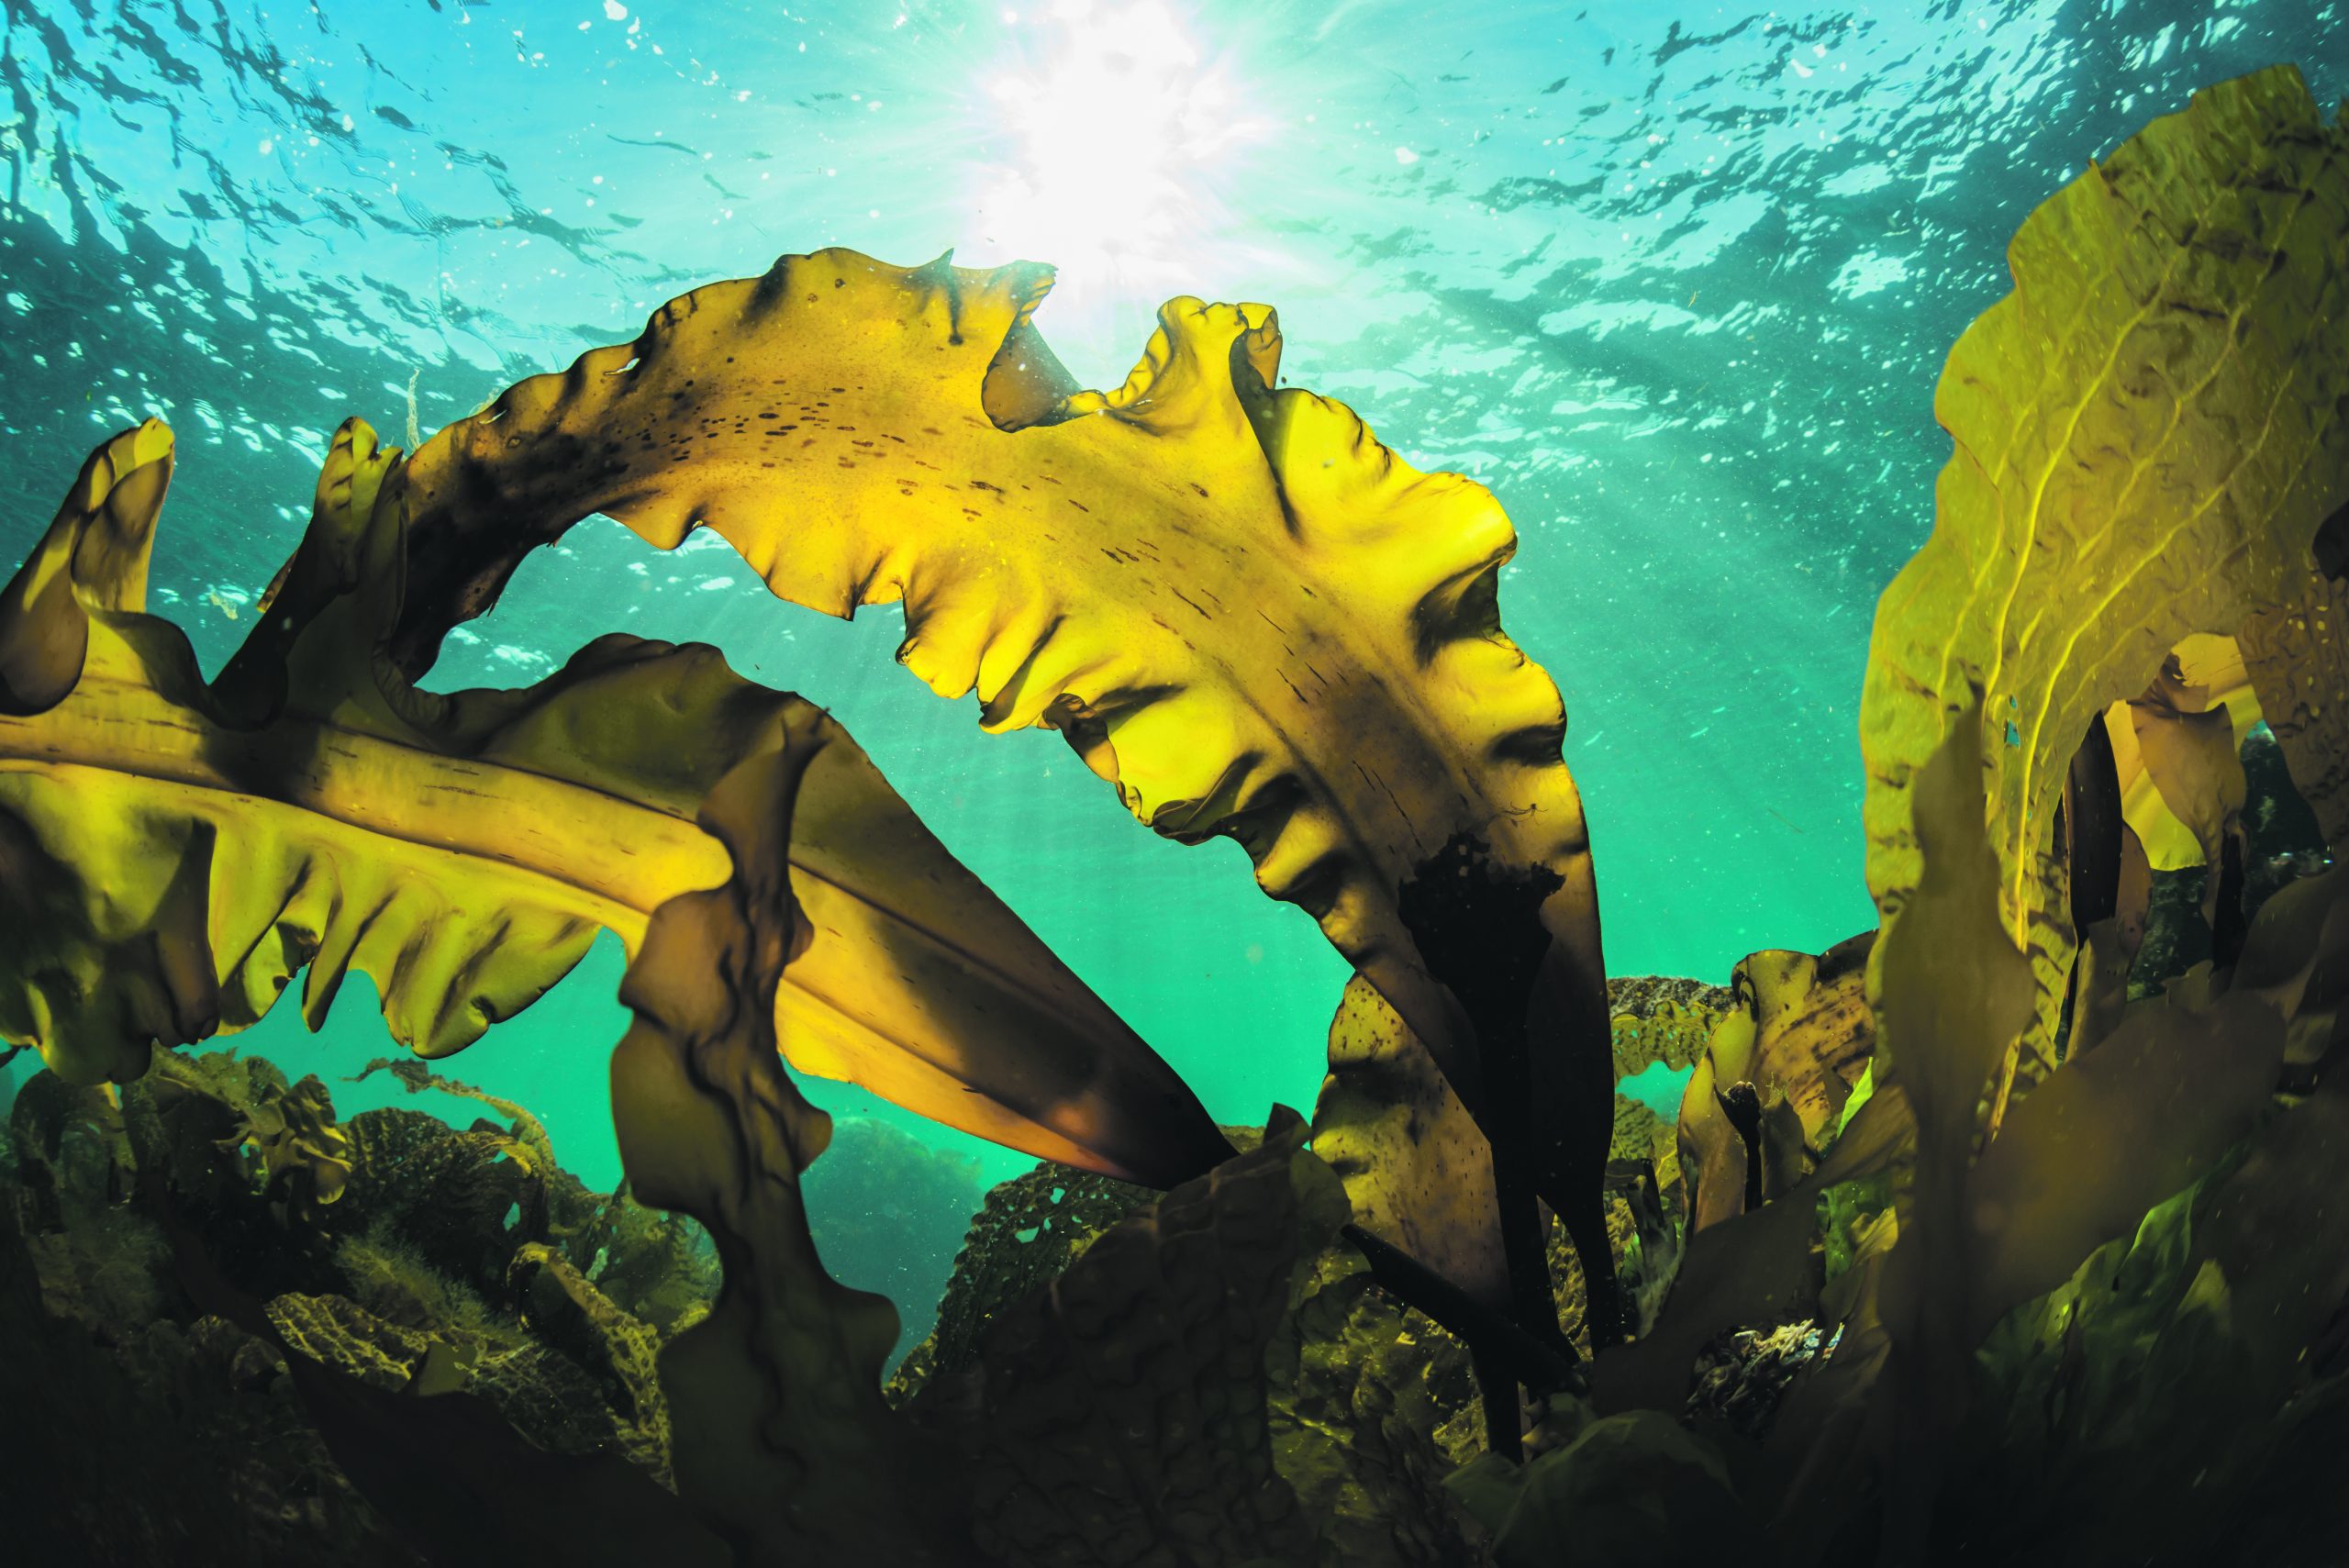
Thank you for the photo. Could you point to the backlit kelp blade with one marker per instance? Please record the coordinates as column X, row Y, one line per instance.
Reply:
column 2148, row 435
column 175, row 853
column 1242, row 610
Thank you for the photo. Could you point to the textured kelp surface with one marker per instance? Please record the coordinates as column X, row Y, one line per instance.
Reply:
column 2148, row 439
column 1958, row 1192
column 1242, row 609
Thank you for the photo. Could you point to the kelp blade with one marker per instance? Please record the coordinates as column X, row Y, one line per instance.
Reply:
column 176, row 853
column 2147, row 440
column 1242, row 609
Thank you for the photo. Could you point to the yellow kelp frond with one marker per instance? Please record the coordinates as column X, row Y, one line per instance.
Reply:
column 2147, row 438
column 175, row 854
column 93, row 558
column 1125, row 1401
column 2176, row 753
column 1239, row 606
column 168, row 871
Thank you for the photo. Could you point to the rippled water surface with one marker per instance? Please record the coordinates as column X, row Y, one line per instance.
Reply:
column 1675, row 280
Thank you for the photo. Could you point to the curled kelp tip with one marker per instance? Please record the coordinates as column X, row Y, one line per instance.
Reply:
column 93, row 559
column 349, row 566
column 1197, row 347
column 1026, row 384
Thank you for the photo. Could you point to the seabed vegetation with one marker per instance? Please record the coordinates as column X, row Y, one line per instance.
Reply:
column 2008, row 1232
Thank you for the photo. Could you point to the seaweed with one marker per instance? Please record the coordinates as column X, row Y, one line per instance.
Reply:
column 178, row 850
column 2146, row 451
column 1961, row 1207
column 1242, row 610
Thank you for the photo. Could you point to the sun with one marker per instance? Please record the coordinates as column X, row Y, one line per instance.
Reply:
column 1111, row 140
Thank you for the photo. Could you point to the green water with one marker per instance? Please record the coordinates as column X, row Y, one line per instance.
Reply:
column 1675, row 280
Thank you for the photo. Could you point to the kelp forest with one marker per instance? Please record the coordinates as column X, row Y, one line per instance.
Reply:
column 2008, row 1232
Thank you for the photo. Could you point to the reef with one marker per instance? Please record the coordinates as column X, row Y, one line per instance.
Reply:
column 467, row 1260
column 390, row 1252
column 2020, row 1199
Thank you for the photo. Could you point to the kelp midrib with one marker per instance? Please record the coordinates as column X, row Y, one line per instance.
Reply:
column 621, row 912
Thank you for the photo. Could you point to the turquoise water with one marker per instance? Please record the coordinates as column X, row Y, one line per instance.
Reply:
column 1675, row 280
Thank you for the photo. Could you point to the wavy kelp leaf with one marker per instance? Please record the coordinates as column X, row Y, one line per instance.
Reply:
column 774, row 1398
column 1125, row 1404
column 1236, row 603
column 2177, row 753
column 93, row 558
column 2126, row 1121
column 2293, row 957
column 175, row 854
column 1797, row 1040
column 1955, row 993
column 2117, row 1131
column 2138, row 1115
column 2147, row 438
column 1416, row 1166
